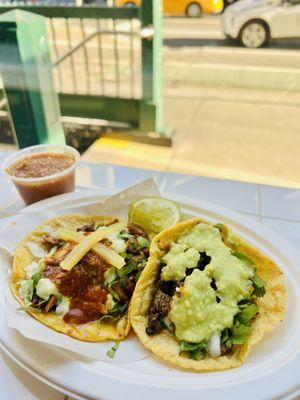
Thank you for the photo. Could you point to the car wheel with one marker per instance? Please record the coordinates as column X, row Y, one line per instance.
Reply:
column 254, row 34
column 193, row 10
column 129, row 4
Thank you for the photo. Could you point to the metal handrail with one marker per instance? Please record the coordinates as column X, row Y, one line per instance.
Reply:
column 91, row 36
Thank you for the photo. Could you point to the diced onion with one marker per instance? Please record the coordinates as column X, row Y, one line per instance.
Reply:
column 32, row 269
column 117, row 244
column 88, row 243
column 36, row 250
column 63, row 306
column 52, row 251
column 214, row 345
column 45, row 288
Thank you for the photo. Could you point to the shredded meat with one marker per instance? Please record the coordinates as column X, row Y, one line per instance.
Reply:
column 159, row 309
column 111, row 222
column 120, row 292
column 136, row 230
column 106, row 242
column 48, row 239
column 59, row 255
column 90, row 227
column 128, row 285
column 83, row 284
column 50, row 303
column 92, row 260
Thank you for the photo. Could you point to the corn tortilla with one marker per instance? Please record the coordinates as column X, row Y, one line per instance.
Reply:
column 271, row 306
column 94, row 331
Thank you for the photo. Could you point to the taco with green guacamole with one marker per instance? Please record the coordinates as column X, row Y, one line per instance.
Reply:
column 76, row 274
column 205, row 297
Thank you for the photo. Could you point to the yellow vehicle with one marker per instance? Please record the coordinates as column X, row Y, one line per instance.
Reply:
column 190, row 8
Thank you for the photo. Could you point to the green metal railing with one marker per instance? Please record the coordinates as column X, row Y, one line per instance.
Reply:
column 106, row 62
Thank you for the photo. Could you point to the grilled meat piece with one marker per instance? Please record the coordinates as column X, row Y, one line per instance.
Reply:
column 37, row 301
column 92, row 260
column 158, row 310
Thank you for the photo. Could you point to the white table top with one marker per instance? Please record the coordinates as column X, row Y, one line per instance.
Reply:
column 274, row 207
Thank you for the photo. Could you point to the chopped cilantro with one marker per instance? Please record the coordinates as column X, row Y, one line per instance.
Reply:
column 247, row 314
column 226, row 338
column 115, row 313
column 244, row 303
column 142, row 242
column 112, row 351
column 258, row 284
column 128, row 236
column 137, row 276
column 127, row 269
column 197, row 351
column 136, row 263
column 239, row 332
column 35, row 278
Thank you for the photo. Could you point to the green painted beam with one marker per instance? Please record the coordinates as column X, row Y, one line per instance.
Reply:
column 78, row 12
column 26, row 72
column 100, row 107
column 151, row 105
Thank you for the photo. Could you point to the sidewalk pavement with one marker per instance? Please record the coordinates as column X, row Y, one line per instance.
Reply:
column 245, row 135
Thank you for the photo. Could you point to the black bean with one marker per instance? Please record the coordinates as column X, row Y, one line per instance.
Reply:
column 168, row 287
column 150, row 330
column 204, row 261
column 213, row 284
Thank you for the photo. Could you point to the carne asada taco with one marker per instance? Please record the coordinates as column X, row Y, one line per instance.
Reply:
column 76, row 274
column 205, row 297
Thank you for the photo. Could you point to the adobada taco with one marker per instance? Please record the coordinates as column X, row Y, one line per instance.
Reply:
column 76, row 274
column 205, row 297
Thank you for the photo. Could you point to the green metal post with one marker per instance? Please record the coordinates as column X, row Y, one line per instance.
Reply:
column 27, row 78
column 151, row 104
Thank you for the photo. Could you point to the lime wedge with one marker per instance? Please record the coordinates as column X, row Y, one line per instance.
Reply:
column 154, row 214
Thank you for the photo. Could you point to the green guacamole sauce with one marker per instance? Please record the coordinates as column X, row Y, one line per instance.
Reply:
column 196, row 314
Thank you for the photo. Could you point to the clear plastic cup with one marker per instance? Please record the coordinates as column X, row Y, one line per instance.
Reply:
column 36, row 189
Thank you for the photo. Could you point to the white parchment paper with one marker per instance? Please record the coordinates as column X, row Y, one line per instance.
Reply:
column 13, row 230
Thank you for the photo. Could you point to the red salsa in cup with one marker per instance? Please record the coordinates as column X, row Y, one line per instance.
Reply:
column 43, row 173
column 40, row 165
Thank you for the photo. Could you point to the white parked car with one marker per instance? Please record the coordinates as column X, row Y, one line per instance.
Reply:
column 254, row 22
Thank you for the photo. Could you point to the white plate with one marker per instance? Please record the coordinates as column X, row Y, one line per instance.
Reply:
column 271, row 371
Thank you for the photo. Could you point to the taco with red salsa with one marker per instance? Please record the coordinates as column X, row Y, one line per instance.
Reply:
column 76, row 274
